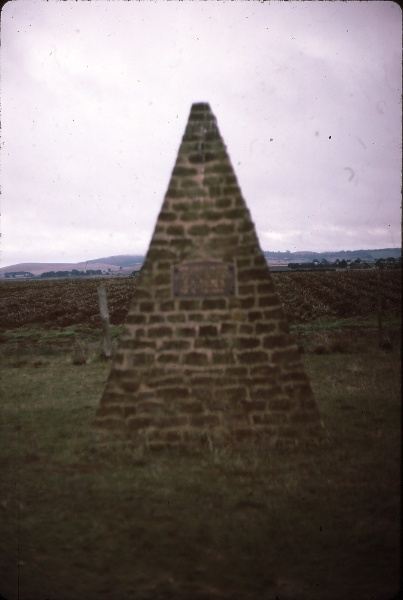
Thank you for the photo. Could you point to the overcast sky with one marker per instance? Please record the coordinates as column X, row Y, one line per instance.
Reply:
column 95, row 97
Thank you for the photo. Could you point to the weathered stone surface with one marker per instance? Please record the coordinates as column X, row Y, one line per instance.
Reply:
column 206, row 352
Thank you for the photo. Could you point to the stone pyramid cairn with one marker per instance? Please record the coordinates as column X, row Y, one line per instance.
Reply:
column 206, row 353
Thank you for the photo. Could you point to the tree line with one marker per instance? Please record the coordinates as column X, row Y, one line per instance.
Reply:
column 73, row 273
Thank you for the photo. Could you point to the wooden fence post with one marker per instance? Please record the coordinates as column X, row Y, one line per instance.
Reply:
column 103, row 307
column 379, row 306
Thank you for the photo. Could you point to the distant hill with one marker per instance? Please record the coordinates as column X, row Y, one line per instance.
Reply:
column 122, row 260
column 124, row 264
column 274, row 258
column 102, row 264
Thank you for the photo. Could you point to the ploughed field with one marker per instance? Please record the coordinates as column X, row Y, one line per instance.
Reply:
column 305, row 297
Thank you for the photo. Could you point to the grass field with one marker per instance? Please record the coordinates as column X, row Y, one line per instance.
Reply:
column 238, row 523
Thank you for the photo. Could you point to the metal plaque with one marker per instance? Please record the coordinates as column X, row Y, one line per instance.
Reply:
column 204, row 278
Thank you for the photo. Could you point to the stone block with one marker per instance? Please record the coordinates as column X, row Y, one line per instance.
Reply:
column 240, row 419
column 306, row 416
column 140, row 359
column 196, row 158
column 112, row 423
column 166, row 216
column 188, row 184
column 172, row 421
column 173, row 192
column 175, row 393
column 137, row 344
column 248, row 275
column 199, row 230
column 181, row 172
column 208, row 330
column 159, row 332
column 238, row 372
column 195, row 192
column 211, row 344
column 265, row 327
column 242, row 433
column 248, row 302
column 264, row 390
column 224, row 244
column 274, row 341
column 176, row 318
column 246, row 289
column 185, row 332
column 167, row 357
column 231, row 394
column 254, row 357
column 280, row 404
column 211, row 215
column 245, row 329
column 234, row 302
column 254, row 406
column 195, row 358
column 151, row 407
column 223, row 358
column 135, row 423
column 109, row 410
column 197, row 317
column 187, row 305
column 260, row 261
column 129, row 385
column 173, row 436
column 245, row 227
column 288, row 431
column 219, row 168
column 190, row 407
column 129, row 410
column 224, row 203
column 254, row 315
column 175, row 344
column 190, row 216
column 244, row 263
column 200, row 378
column 269, row 419
column 135, row 319
column 146, row 307
column 228, row 328
column 162, row 292
column 157, row 446
column 247, row 343
column 204, row 394
column 233, row 190
column 214, row 304
column 175, row 230
column 204, row 420
column 161, row 254
column 167, row 305
column 271, row 300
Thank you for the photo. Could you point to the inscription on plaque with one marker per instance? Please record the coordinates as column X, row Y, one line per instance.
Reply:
column 204, row 278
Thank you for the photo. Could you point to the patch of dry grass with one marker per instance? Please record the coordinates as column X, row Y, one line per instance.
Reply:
column 232, row 523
